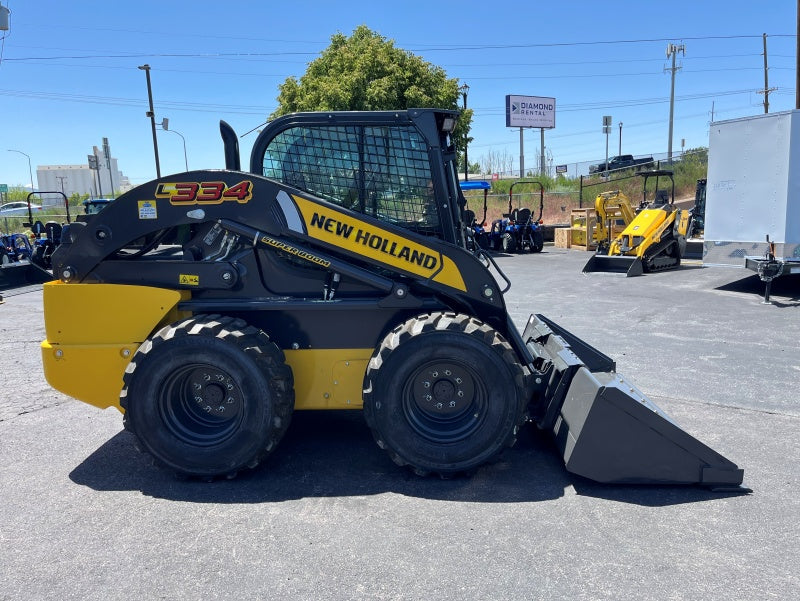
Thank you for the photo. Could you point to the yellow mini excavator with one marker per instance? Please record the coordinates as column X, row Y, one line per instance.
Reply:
column 612, row 207
column 653, row 240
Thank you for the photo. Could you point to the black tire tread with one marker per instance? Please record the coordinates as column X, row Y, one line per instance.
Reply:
column 252, row 341
column 440, row 321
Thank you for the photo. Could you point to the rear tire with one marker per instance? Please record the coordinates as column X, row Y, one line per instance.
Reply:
column 537, row 241
column 208, row 396
column 38, row 257
column 508, row 243
column 443, row 394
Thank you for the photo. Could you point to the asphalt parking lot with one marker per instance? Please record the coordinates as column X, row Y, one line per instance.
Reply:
column 329, row 516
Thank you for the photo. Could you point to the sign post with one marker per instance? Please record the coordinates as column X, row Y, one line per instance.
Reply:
column 606, row 131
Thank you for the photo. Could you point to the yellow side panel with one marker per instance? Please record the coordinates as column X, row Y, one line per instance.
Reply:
column 104, row 313
column 328, row 378
column 645, row 222
column 89, row 373
column 93, row 330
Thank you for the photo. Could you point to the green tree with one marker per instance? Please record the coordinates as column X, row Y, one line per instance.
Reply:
column 367, row 72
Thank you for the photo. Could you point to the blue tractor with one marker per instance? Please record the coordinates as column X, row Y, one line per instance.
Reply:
column 518, row 231
column 477, row 236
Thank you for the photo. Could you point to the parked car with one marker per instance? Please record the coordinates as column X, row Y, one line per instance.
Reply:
column 92, row 206
column 623, row 161
column 17, row 209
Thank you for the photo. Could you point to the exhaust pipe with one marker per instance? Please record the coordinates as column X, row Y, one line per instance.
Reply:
column 605, row 428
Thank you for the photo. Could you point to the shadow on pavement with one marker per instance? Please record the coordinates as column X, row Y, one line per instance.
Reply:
column 786, row 287
column 332, row 454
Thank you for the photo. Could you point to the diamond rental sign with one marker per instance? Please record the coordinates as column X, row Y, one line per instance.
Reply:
column 530, row 111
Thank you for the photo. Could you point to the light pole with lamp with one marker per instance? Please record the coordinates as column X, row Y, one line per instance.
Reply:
column 151, row 113
column 30, row 170
column 620, row 138
column 464, row 89
column 165, row 127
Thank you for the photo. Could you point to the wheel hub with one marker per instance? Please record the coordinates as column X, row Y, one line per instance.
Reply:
column 214, row 392
column 443, row 390
column 202, row 404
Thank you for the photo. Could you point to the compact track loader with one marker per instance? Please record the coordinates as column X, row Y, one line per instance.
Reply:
column 653, row 240
column 333, row 274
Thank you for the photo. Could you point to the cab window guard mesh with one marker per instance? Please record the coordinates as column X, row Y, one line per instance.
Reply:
column 379, row 171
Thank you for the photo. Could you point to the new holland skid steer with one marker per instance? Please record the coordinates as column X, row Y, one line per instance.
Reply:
column 327, row 276
column 653, row 240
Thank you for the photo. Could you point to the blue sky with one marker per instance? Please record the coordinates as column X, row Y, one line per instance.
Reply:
column 69, row 77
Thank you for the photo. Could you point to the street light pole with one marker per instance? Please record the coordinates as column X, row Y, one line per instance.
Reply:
column 165, row 127
column 620, row 139
column 464, row 89
column 151, row 113
column 30, row 170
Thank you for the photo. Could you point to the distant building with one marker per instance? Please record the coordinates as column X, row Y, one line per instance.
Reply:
column 72, row 179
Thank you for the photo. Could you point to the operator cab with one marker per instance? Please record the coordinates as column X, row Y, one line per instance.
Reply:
column 379, row 164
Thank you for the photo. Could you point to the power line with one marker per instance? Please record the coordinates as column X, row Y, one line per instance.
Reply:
column 160, row 55
column 606, row 75
column 162, row 104
column 594, row 43
column 443, row 48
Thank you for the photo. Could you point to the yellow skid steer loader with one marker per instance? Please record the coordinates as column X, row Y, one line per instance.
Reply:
column 333, row 273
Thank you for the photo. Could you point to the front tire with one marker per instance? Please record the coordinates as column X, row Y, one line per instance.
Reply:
column 208, row 396
column 443, row 394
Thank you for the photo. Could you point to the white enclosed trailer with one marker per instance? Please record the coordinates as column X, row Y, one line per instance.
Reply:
column 753, row 191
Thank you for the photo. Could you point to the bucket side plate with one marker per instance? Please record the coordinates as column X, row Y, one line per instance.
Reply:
column 609, row 431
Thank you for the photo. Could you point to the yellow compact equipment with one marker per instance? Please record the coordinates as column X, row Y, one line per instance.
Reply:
column 652, row 241
column 614, row 211
column 337, row 272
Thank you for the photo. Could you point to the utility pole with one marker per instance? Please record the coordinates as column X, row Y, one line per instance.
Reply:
column 766, row 89
column 606, row 131
column 463, row 89
column 99, row 172
column 61, row 179
column 151, row 113
column 672, row 51
column 107, row 153
column 797, row 60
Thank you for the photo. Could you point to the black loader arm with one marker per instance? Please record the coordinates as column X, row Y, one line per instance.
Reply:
column 233, row 235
